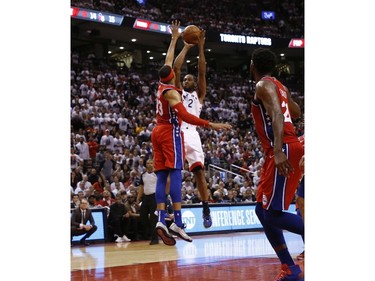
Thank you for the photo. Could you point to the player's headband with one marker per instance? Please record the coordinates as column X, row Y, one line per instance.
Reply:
column 169, row 77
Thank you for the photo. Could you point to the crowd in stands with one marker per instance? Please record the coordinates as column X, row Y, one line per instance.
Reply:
column 225, row 16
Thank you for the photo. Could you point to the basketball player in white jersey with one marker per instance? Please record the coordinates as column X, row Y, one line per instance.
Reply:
column 193, row 96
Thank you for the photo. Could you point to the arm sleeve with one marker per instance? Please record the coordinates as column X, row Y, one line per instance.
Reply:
column 189, row 118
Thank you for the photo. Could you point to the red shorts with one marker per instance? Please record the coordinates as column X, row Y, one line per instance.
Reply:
column 168, row 147
column 275, row 191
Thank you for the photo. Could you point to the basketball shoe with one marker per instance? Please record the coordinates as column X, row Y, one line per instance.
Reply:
column 290, row 273
column 163, row 233
column 125, row 238
column 207, row 221
column 180, row 232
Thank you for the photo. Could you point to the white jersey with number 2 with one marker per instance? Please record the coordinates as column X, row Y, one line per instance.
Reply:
column 192, row 105
column 193, row 146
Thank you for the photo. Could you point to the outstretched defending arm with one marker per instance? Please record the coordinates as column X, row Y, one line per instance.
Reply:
column 172, row 45
column 174, row 99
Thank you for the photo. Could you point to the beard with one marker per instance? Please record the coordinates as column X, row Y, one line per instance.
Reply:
column 187, row 89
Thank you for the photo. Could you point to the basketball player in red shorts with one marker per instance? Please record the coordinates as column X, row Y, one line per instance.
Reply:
column 168, row 144
column 273, row 109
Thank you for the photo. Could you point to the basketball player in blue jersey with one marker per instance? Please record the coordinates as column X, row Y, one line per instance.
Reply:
column 193, row 95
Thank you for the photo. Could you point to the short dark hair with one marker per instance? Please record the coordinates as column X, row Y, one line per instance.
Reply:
column 264, row 61
column 164, row 71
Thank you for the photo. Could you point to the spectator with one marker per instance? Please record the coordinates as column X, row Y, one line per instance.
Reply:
column 93, row 176
column 249, row 196
column 183, row 197
column 218, row 196
column 118, row 157
column 75, row 159
column 79, row 218
column 187, row 184
column 100, row 156
column 81, row 195
column 123, row 123
column 84, row 183
column 256, row 178
column 133, row 180
column 80, row 188
column 107, row 200
column 83, row 151
column 92, row 204
column 230, row 197
column 74, row 203
column 134, row 220
column 107, row 166
column 121, row 172
column 237, row 197
column 107, row 141
column 189, row 196
column 222, row 188
column 99, row 185
column 116, row 185
column 93, row 149
column 75, row 178
column 117, row 220
column 196, row 199
column 141, row 166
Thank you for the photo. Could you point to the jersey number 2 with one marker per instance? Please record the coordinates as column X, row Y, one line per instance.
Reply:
column 190, row 103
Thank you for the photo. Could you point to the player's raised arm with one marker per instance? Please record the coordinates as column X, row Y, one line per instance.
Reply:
column 178, row 62
column 201, row 68
column 172, row 45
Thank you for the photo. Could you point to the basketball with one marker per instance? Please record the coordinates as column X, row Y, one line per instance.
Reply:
column 191, row 34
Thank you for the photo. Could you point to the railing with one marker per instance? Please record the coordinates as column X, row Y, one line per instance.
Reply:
column 223, row 172
column 241, row 169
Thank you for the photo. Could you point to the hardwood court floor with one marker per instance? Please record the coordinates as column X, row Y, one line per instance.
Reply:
column 230, row 256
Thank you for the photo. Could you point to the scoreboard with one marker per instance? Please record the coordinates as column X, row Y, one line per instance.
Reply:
column 154, row 26
column 96, row 16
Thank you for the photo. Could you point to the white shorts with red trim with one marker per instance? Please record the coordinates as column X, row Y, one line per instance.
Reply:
column 193, row 148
